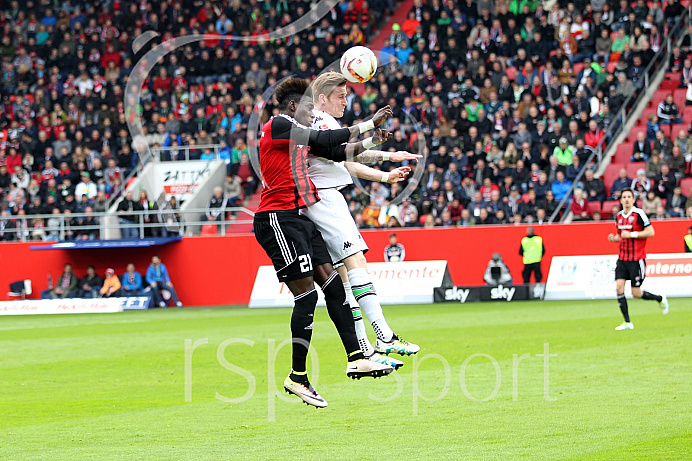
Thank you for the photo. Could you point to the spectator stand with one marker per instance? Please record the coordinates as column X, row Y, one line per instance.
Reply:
column 623, row 126
column 69, row 77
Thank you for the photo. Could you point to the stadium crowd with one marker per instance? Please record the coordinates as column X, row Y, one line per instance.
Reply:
column 511, row 97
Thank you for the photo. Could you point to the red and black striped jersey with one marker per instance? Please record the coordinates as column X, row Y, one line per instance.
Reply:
column 634, row 221
column 284, row 147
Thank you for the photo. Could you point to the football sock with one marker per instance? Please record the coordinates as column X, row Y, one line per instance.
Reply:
column 364, row 292
column 361, row 332
column 299, row 377
column 622, row 301
column 340, row 313
column 651, row 296
column 301, row 328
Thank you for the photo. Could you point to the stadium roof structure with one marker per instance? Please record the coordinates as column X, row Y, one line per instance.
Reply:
column 100, row 244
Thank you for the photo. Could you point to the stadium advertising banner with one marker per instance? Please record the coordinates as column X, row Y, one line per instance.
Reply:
column 61, row 306
column 506, row 293
column 593, row 277
column 182, row 178
column 74, row 306
column 408, row 282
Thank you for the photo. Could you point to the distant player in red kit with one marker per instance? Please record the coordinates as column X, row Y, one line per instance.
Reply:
column 633, row 228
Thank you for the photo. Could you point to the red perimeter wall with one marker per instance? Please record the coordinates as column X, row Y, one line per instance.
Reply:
column 221, row 270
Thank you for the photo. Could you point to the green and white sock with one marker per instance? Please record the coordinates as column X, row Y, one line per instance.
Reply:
column 361, row 332
column 364, row 292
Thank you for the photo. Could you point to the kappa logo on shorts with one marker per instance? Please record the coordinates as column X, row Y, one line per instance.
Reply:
column 347, row 245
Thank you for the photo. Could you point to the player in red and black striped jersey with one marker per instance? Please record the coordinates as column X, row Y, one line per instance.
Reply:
column 633, row 228
column 292, row 241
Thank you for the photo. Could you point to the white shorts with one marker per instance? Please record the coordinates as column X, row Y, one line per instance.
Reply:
column 334, row 221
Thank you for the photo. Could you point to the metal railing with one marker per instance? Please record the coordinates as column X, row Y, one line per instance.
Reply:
column 619, row 120
column 162, row 223
column 186, row 150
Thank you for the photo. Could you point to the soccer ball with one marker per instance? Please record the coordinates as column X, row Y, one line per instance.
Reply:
column 358, row 64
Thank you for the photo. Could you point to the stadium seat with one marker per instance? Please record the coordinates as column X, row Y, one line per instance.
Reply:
column 208, row 229
column 669, row 85
column 686, row 185
column 632, row 136
column 675, row 129
column 633, row 167
column 622, row 156
column 623, row 153
column 611, row 66
column 241, row 228
column 611, row 174
column 607, row 207
column 593, row 206
column 659, row 95
column 511, row 73
column 578, row 67
column 645, row 114
column 679, row 97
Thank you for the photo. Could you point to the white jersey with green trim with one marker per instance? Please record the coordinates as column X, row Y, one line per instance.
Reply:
column 326, row 173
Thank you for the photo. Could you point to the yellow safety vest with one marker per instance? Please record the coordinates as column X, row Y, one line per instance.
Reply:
column 533, row 249
column 688, row 241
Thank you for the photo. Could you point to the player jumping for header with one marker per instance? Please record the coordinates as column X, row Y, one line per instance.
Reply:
column 333, row 219
column 292, row 241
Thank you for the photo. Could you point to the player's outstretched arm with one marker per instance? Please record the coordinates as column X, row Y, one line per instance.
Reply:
column 375, row 156
column 351, row 151
column 371, row 174
column 287, row 128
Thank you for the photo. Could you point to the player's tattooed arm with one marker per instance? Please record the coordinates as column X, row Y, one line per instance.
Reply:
column 348, row 151
column 371, row 174
column 375, row 156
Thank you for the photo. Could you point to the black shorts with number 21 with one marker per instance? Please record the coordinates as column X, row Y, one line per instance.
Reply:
column 292, row 242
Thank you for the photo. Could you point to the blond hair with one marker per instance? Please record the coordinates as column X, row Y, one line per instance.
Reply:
column 326, row 83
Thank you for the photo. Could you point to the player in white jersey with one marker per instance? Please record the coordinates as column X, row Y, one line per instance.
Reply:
column 339, row 231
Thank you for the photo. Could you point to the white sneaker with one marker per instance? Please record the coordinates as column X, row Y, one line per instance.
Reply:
column 664, row 305
column 162, row 304
column 398, row 345
column 392, row 362
column 625, row 326
column 306, row 393
column 179, row 304
column 363, row 367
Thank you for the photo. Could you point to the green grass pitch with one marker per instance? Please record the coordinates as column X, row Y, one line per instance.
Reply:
column 113, row 386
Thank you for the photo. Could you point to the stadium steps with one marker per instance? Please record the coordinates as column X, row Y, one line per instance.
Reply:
column 385, row 31
column 382, row 34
